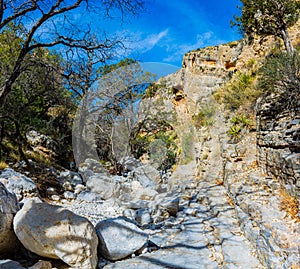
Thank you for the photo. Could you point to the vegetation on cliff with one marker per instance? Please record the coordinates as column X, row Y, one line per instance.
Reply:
column 269, row 17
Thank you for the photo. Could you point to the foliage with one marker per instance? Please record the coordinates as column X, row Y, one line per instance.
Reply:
column 268, row 17
column 241, row 120
column 3, row 165
column 205, row 116
column 187, row 147
column 37, row 99
column 240, row 123
column 289, row 204
column 116, row 101
column 63, row 29
column 153, row 89
column 239, row 92
column 280, row 71
column 108, row 68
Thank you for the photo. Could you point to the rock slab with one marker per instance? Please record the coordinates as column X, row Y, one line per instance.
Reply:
column 119, row 238
column 18, row 183
column 54, row 232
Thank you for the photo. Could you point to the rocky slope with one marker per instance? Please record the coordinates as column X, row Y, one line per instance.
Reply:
column 261, row 171
column 226, row 204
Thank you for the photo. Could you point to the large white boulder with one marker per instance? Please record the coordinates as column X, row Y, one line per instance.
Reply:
column 119, row 238
column 8, row 208
column 55, row 232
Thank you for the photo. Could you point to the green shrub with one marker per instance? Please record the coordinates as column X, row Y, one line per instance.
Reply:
column 241, row 120
column 240, row 123
column 239, row 92
column 235, row 131
column 152, row 90
column 187, row 148
column 279, row 72
column 205, row 117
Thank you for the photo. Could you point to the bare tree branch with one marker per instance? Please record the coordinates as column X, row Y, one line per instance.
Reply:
column 36, row 14
column 25, row 8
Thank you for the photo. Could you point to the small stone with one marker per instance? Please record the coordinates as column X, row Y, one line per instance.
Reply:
column 51, row 191
column 55, row 197
column 89, row 197
column 143, row 217
column 69, row 195
column 129, row 213
column 67, row 186
column 41, row 265
column 79, row 188
column 189, row 211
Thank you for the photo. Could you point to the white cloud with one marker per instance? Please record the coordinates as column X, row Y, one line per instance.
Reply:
column 145, row 44
column 138, row 43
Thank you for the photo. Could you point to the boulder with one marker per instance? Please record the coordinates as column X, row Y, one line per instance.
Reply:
column 147, row 175
column 9, row 264
column 168, row 202
column 55, row 232
column 8, row 208
column 119, row 238
column 36, row 139
column 90, row 197
column 89, row 167
column 41, row 265
column 130, row 163
column 18, row 183
column 102, row 184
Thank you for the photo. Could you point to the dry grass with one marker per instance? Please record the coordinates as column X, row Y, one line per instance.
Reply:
column 3, row 165
column 289, row 204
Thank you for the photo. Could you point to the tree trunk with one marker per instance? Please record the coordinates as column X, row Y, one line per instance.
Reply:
column 4, row 91
column 7, row 87
column 287, row 41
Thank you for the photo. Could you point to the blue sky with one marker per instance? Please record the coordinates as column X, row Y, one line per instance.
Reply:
column 169, row 28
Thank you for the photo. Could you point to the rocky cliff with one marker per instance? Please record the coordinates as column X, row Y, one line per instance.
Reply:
column 228, row 202
column 261, row 170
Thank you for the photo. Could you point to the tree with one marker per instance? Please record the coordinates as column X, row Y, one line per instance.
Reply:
column 269, row 17
column 47, row 23
column 281, row 73
column 37, row 101
column 110, row 113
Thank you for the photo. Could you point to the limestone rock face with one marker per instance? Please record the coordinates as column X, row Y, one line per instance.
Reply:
column 8, row 208
column 278, row 138
column 54, row 232
column 18, row 183
column 119, row 238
